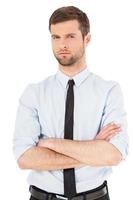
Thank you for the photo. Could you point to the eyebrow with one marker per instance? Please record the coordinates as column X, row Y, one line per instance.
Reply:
column 65, row 34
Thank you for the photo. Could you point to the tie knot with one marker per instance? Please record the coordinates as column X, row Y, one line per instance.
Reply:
column 71, row 82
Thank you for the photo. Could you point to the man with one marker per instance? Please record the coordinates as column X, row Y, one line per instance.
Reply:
column 71, row 127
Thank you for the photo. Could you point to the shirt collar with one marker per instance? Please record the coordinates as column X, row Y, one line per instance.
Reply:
column 78, row 78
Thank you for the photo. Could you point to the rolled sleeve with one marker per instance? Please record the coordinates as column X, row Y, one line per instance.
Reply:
column 114, row 112
column 27, row 126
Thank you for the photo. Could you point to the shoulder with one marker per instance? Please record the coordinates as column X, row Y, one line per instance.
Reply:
column 32, row 91
column 35, row 87
column 102, row 84
column 109, row 89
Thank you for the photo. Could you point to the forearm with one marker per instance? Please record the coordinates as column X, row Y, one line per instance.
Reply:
column 93, row 152
column 41, row 158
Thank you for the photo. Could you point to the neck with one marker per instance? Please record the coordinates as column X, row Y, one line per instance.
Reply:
column 74, row 69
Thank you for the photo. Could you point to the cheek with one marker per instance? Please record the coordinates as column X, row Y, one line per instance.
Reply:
column 77, row 43
column 76, row 46
column 55, row 46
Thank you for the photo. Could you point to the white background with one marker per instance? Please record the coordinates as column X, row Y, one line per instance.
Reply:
column 26, row 56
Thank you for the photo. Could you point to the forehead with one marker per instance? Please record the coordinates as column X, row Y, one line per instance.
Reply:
column 64, row 28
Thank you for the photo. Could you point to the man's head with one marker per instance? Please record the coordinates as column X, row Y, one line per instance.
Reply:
column 68, row 13
column 69, row 27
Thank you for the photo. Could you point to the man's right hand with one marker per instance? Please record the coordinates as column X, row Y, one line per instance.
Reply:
column 108, row 131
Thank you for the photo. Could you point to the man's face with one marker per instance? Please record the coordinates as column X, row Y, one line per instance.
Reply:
column 67, row 42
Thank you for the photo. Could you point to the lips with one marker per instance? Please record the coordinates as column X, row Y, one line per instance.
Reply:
column 64, row 53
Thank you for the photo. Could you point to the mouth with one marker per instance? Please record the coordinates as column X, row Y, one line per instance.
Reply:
column 64, row 53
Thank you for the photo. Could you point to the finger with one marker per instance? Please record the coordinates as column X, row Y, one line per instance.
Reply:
column 111, row 136
column 107, row 131
column 107, row 134
column 111, row 132
column 110, row 126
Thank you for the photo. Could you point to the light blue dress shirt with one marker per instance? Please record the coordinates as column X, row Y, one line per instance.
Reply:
column 41, row 112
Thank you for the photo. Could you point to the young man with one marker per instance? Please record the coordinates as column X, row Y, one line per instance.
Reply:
column 71, row 127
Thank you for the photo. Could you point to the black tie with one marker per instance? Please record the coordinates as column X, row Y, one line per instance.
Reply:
column 69, row 174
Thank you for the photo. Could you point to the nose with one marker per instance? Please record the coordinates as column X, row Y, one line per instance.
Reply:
column 63, row 44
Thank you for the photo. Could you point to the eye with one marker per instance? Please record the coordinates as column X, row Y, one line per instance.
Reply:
column 55, row 37
column 71, row 36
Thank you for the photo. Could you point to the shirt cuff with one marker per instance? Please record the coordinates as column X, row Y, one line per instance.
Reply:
column 121, row 146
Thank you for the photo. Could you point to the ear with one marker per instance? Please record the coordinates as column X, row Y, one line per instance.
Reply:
column 87, row 39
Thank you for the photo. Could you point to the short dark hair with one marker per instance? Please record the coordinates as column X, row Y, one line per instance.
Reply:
column 71, row 13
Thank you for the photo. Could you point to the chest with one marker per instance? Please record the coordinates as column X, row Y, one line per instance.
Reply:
column 88, row 110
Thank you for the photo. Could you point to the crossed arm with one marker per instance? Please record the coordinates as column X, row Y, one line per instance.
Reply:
column 53, row 154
